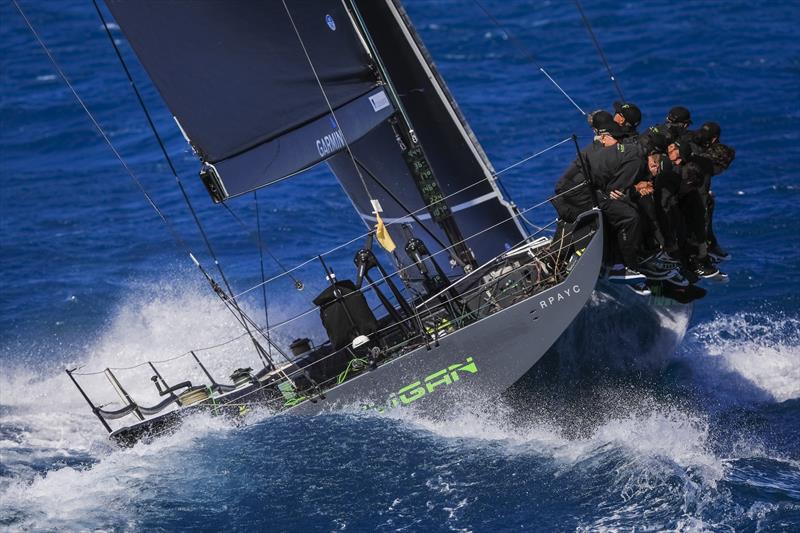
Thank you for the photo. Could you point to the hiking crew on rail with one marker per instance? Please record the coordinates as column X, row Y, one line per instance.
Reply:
column 654, row 189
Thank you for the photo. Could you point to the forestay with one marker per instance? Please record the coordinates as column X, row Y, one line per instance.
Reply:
column 237, row 79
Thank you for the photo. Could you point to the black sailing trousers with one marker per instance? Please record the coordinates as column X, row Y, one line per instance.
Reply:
column 693, row 240
column 624, row 219
column 650, row 222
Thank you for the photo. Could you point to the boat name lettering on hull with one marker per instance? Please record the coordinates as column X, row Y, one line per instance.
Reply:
column 330, row 143
column 420, row 388
column 560, row 296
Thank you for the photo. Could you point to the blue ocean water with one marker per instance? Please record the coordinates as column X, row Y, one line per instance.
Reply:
column 701, row 438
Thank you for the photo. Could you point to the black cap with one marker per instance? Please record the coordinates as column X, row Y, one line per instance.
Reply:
column 601, row 119
column 630, row 113
column 709, row 130
column 612, row 128
column 679, row 114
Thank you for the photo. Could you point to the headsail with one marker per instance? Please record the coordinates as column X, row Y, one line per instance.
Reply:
column 236, row 77
column 456, row 158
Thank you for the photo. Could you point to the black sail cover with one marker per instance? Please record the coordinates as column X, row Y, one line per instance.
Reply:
column 236, row 77
column 486, row 219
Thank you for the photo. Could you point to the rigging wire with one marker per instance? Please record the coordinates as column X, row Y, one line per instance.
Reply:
column 527, row 53
column 175, row 235
column 328, row 102
column 407, row 267
column 373, row 283
column 338, row 377
column 229, row 341
column 226, row 297
column 161, row 145
column 390, row 222
column 167, row 360
column 599, row 49
column 262, row 247
column 261, row 263
column 315, row 308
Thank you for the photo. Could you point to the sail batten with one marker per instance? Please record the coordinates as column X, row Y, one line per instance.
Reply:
column 235, row 75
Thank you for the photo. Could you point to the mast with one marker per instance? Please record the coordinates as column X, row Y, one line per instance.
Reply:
column 426, row 155
column 414, row 155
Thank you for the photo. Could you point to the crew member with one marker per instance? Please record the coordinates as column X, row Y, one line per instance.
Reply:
column 628, row 116
column 611, row 169
column 676, row 124
column 666, row 184
column 644, row 195
column 721, row 156
column 692, row 233
column 571, row 198
column 614, row 169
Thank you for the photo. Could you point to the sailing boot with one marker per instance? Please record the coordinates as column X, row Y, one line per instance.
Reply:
column 716, row 252
column 704, row 268
column 625, row 275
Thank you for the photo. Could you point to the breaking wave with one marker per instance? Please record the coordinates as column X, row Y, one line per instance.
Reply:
column 637, row 453
column 48, row 436
column 746, row 356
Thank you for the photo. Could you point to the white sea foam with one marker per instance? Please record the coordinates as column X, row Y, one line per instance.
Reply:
column 47, row 411
column 650, row 431
column 45, row 423
column 762, row 350
column 651, row 459
column 162, row 323
column 746, row 356
column 101, row 495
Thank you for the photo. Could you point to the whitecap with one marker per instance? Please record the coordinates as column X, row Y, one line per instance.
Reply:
column 746, row 356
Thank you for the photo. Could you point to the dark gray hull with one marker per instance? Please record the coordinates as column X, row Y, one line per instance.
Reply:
column 619, row 331
column 480, row 359
column 486, row 357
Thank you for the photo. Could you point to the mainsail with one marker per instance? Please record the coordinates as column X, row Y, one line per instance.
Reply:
column 238, row 77
column 462, row 170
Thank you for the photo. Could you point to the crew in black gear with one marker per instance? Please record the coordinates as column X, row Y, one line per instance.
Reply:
column 613, row 170
column 654, row 189
column 654, row 237
column 695, row 172
column 707, row 145
column 573, row 193
column 666, row 183
column 676, row 124
column 628, row 116
column 572, row 199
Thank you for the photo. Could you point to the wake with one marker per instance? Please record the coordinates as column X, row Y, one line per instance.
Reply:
column 58, row 465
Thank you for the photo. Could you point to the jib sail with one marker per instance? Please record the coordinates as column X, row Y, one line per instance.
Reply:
column 236, row 77
column 482, row 215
